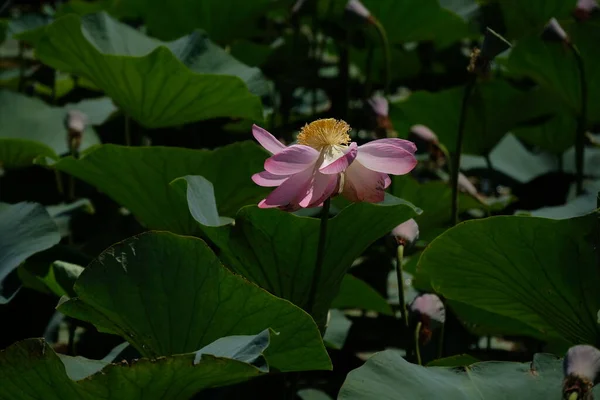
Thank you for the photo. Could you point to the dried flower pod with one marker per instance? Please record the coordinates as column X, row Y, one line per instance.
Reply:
column 481, row 59
column 406, row 233
column 581, row 367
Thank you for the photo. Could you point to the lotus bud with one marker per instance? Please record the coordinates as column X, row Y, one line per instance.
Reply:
column 581, row 367
column 584, row 9
column 297, row 6
column 430, row 311
column 75, row 123
column 465, row 185
column 424, row 133
column 406, row 233
column 555, row 32
column 381, row 108
column 358, row 8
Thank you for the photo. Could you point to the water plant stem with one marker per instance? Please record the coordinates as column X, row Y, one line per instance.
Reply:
column 385, row 44
column 319, row 263
column 457, row 150
column 581, row 122
column 417, row 349
column 399, row 274
column 441, row 342
column 127, row 131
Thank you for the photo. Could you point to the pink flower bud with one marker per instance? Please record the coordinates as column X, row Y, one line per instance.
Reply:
column 424, row 133
column 358, row 8
column 380, row 105
column 465, row 185
column 76, row 121
column 582, row 361
column 430, row 306
column 581, row 367
column 297, row 6
column 406, row 232
column 554, row 29
column 587, row 5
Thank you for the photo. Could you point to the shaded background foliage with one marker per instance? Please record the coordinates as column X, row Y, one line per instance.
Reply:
column 171, row 92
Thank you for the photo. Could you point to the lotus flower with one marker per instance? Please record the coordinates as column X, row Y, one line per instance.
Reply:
column 581, row 368
column 406, row 232
column 325, row 162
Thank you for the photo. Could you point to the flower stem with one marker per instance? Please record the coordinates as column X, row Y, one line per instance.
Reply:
column 401, row 298
column 417, row 349
column 459, row 140
column 582, row 120
column 319, row 264
column 127, row 131
column 441, row 343
column 385, row 44
column 21, row 57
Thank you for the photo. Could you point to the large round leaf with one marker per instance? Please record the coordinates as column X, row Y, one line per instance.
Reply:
column 277, row 250
column 31, row 128
column 388, row 376
column 25, row 229
column 138, row 178
column 223, row 20
column 159, row 84
column 522, row 18
column 31, row 369
column 169, row 294
column 554, row 66
column 421, row 20
column 539, row 271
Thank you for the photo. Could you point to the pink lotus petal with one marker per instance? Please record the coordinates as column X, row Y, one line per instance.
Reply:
column 268, row 141
column 429, row 305
column 387, row 182
column 587, row 5
column 292, row 160
column 358, row 8
column 267, row 179
column 407, row 231
column 465, row 185
column 287, row 193
column 424, row 133
column 363, row 184
column 336, row 163
column 380, row 105
column 321, row 187
column 386, row 158
column 399, row 143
